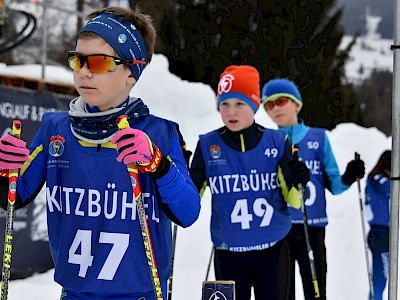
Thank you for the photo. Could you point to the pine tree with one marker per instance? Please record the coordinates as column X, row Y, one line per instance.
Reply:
column 298, row 40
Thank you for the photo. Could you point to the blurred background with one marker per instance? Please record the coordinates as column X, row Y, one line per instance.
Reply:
column 310, row 42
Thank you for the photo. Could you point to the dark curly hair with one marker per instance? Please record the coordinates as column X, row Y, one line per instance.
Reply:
column 384, row 164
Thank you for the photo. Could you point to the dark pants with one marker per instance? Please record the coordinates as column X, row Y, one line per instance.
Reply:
column 298, row 250
column 266, row 270
column 378, row 242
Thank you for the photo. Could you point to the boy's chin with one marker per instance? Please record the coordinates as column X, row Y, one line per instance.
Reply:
column 235, row 126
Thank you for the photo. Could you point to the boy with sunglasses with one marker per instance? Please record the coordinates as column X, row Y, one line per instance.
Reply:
column 252, row 177
column 282, row 101
column 95, row 234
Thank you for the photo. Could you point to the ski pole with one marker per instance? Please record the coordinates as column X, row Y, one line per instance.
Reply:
column 122, row 122
column 309, row 249
column 170, row 280
column 371, row 286
column 172, row 262
column 12, row 193
column 209, row 262
column 307, row 237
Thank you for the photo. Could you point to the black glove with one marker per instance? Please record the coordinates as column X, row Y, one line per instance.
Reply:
column 299, row 173
column 355, row 169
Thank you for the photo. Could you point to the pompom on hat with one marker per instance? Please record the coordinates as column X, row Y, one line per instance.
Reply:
column 281, row 87
column 242, row 82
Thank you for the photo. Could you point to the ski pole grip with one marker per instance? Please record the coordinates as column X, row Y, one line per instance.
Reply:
column 356, row 156
column 16, row 132
column 295, row 152
column 122, row 122
column 16, row 129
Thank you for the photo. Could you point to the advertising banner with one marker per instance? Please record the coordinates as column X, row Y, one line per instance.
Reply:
column 30, row 252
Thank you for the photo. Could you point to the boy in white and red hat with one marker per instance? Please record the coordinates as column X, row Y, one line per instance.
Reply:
column 252, row 177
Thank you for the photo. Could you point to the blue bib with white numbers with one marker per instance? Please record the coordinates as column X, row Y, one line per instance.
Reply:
column 248, row 210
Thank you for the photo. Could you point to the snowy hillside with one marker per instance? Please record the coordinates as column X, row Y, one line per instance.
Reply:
column 367, row 55
column 369, row 52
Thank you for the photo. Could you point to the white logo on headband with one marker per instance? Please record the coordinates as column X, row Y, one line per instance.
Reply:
column 122, row 38
column 225, row 84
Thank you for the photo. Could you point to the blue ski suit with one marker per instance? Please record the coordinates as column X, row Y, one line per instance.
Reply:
column 93, row 226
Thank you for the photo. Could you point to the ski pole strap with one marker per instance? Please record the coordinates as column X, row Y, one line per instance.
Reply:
column 155, row 162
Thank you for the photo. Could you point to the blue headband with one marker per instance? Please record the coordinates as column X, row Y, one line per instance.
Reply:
column 123, row 36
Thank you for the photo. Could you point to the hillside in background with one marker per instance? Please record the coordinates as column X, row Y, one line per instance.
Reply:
column 353, row 19
column 369, row 53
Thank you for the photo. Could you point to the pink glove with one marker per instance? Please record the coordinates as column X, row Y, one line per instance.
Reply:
column 134, row 146
column 13, row 152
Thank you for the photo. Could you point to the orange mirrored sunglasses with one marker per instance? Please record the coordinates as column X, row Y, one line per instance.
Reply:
column 269, row 105
column 98, row 63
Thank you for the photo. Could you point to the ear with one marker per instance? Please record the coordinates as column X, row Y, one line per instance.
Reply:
column 297, row 107
column 131, row 80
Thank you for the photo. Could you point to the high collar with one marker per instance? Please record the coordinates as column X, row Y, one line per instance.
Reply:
column 99, row 127
column 296, row 132
column 242, row 140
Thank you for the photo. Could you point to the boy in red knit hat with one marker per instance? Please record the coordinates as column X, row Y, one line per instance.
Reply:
column 252, row 177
